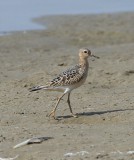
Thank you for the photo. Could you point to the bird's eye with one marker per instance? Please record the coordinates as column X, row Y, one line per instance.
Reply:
column 85, row 51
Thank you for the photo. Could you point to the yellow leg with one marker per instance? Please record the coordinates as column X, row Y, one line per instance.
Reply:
column 68, row 101
column 52, row 113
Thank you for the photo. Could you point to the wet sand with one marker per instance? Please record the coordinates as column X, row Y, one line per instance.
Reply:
column 105, row 103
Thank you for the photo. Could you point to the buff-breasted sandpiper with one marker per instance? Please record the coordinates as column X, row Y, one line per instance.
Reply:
column 68, row 80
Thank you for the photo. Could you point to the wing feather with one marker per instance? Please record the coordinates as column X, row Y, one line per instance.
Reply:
column 68, row 77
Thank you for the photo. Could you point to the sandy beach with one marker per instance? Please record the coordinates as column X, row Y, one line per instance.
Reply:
column 104, row 128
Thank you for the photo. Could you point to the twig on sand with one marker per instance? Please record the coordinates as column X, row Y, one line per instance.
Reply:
column 9, row 158
column 32, row 140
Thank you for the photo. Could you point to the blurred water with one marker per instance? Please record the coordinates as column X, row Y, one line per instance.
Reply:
column 16, row 15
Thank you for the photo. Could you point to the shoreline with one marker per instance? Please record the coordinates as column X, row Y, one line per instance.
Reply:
column 38, row 20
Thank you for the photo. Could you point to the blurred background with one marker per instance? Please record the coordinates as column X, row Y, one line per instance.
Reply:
column 16, row 15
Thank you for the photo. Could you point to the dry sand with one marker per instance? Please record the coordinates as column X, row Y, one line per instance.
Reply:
column 105, row 103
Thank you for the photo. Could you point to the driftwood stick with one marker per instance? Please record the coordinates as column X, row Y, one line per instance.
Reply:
column 32, row 140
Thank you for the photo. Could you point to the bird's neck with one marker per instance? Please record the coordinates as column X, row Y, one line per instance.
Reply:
column 83, row 62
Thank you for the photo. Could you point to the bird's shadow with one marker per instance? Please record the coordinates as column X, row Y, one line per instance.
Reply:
column 94, row 113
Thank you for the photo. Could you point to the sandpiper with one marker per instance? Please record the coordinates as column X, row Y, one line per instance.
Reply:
column 68, row 80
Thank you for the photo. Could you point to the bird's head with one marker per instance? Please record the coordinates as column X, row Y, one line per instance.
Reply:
column 85, row 53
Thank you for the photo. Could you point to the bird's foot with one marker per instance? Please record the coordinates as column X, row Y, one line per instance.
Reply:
column 75, row 115
column 52, row 114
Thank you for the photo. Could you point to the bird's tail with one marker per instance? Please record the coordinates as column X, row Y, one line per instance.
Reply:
column 36, row 88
